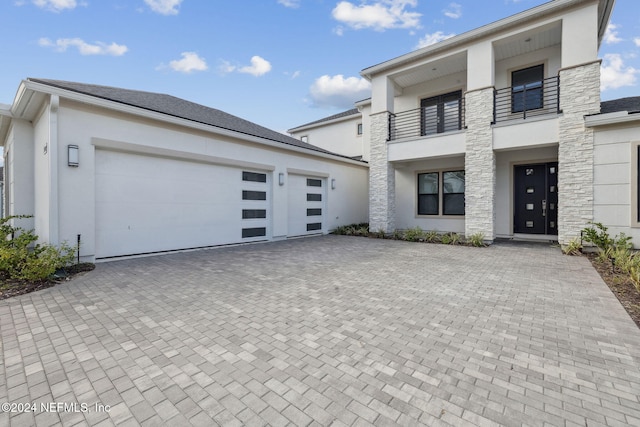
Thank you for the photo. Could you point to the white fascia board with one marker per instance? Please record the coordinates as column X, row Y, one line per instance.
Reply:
column 619, row 117
column 141, row 112
column 521, row 18
column 327, row 122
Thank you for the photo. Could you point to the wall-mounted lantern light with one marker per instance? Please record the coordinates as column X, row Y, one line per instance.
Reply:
column 281, row 178
column 333, row 183
column 73, row 153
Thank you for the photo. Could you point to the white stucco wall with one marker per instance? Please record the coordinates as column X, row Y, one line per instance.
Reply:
column 615, row 179
column 19, row 154
column 407, row 194
column 339, row 137
column 80, row 125
column 41, row 170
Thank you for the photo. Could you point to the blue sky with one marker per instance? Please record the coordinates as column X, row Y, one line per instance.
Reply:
column 278, row 63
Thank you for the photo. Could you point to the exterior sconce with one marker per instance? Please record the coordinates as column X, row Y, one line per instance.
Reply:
column 333, row 183
column 73, row 153
column 281, row 178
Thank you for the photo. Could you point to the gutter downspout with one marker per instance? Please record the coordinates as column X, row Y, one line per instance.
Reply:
column 53, row 170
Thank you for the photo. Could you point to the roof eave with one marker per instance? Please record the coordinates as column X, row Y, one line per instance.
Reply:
column 618, row 117
column 326, row 122
column 543, row 10
column 142, row 112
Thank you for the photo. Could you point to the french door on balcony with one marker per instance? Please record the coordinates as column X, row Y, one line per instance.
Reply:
column 442, row 113
column 536, row 199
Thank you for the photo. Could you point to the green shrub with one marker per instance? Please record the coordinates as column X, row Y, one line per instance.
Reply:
column 414, row 234
column 476, row 239
column 574, row 247
column 21, row 258
column 397, row 235
column 432, row 237
column 450, row 238
column 598, row 235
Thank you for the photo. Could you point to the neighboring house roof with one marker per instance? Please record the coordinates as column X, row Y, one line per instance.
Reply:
column 336, row 117
column 180, row 108
column 630, row 104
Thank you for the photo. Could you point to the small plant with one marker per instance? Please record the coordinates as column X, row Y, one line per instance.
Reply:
column 450, row 238
column 380, row 234
column 476, row 239
column 598, row 235
column 432, row 237
column 414, row 234
column 574, row 247
column 397, row 235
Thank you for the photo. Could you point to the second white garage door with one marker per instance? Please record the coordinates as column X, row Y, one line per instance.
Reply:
column 149, row 204
column 307, row 200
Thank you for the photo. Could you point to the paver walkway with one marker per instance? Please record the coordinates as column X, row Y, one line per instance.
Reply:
column 325, row 331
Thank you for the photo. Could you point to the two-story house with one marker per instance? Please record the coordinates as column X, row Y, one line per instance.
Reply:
column 494, row 131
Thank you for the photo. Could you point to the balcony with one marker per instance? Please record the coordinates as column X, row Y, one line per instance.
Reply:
column 430, row 119
column 528, row 100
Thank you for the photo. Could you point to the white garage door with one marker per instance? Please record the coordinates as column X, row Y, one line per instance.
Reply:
column 307, row 199
column 148, row 204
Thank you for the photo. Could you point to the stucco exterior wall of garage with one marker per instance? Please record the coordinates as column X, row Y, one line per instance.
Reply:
column 615, row 179
column 19, row 173
column 83, row 125
column 339, row 137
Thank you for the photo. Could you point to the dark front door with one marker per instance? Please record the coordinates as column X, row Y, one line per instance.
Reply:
column 536, row 199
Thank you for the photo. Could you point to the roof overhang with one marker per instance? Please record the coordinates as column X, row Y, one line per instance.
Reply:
column 317, row 124
column 31, row 95
column 546, row 10
column 609, row 119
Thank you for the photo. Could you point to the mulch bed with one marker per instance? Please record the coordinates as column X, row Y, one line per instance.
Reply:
column 11, row 287
column 620, row 285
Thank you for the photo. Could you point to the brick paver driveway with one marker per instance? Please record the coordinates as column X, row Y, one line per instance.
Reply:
column 325, row 331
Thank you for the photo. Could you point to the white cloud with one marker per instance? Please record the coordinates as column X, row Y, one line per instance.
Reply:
column 290, row 3
column 259, row 67
column 164, row 7
column 56, row 5
column 189, row 63
column 611, row 35
column 454, row 11
column 99, row 48
column 379, row 15
column 614, row 74
column 637, row 41
column 338, row 91
column 433, row 38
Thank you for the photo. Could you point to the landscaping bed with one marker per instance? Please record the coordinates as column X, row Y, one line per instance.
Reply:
column 14, row 287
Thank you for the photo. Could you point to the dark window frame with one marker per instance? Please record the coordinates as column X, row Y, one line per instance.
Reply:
column 254, row 195
column 254, row 177
column 527, row 91
column 423, row 198
column 315, row 226
column 359, row 129
column 248, row 233
column 442, row 119
column 314, row 197
column 449, row 195
column 439, row 198
column 254, row 213
column 314, row 182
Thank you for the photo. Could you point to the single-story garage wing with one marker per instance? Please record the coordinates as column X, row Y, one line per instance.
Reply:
column 132, row 172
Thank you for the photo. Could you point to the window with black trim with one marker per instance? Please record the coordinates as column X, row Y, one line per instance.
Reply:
column 432, row 190
column 314, row 197
column 254, row 176
column 254, row 213
column 314, row 182
column 526, row 89
column 304, row 138
column 453, row 193
column 315, row 226
column 254, row 195
column 428, row 195
column 254, row 232
column 314, row 212
column 359, row 131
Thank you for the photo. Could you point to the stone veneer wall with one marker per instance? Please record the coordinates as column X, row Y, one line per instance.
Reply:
column 382, row 178
column 480, row 165
column 579, row 96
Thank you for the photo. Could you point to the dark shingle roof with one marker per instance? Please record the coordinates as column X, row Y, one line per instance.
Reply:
column 347, row 113
column 630, row 104
column 176, row 107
